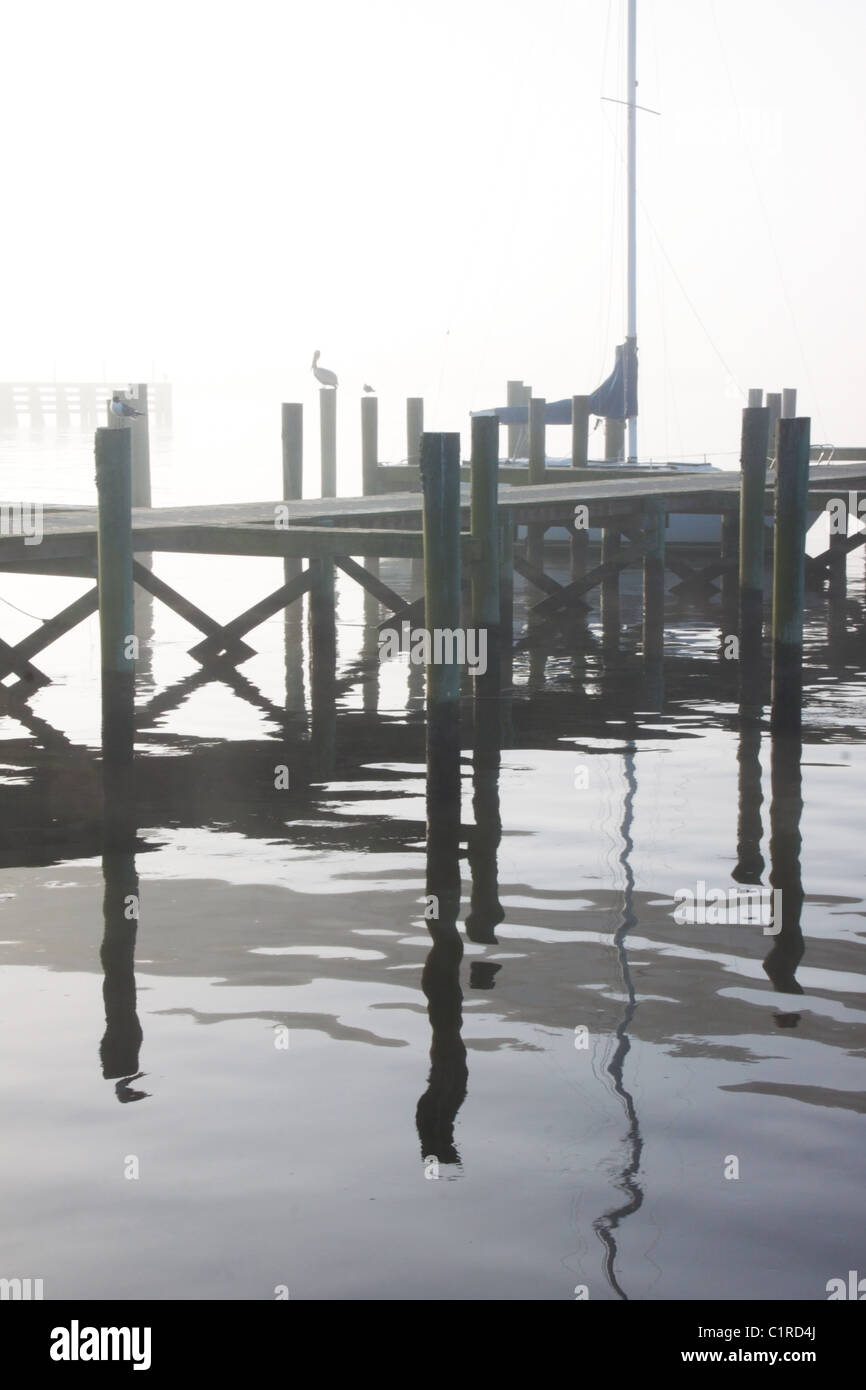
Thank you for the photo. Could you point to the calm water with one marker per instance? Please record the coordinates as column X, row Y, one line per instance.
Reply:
column 295, row 1053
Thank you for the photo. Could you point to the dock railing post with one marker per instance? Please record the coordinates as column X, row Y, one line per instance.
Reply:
column 116, row 609
column 537, row 463
column 328, row 444
column 754, row 450
column 789, row 564
column 440, row 481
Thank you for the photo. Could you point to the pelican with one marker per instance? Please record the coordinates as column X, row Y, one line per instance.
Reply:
column 369, row 390
column 322, row 374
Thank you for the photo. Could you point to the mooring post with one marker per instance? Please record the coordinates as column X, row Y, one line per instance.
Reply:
column 774, row 406
column 292, row 434
column 614, row 441
column 484, row 507
column 754, row 451
column 140, row 431
column 789, row 563
column 116, row 609
column 518, row 394
column 537, row 458
column 789, row 402
column 414, row 429
column 579, row 431
column 440, row 481
column 292, row 440
column 370, row 445
column 756, row 396
column 654, row 581
column 328, row 429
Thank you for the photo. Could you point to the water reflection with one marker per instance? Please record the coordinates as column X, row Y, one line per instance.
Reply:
column 122, row 1039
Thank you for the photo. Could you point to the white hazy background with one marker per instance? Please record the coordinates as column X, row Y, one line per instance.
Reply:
column 434, row 196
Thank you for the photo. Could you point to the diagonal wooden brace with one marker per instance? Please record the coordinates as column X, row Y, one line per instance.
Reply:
column 237, row 651
column 587, row 581
column 245, row 622
column 371, row 582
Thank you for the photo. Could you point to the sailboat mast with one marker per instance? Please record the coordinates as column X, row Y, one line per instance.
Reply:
column 631, row 336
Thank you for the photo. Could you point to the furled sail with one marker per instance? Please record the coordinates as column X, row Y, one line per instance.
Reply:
column 614, row 399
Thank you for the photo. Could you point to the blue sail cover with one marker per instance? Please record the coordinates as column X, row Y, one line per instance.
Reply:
column 614, row 399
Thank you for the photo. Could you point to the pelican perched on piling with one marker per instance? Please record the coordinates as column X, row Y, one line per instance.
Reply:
column 369, row 390
column 322, row 374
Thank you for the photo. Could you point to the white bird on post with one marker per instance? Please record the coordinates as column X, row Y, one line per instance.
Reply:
column 322, row 374
column 119, row 406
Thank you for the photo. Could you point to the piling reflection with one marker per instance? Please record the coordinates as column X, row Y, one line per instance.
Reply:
column 121, row 1042
column 437, row 1108
column 607, row 1225
column 786, row 809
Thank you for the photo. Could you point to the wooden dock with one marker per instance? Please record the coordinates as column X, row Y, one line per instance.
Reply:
column 462, row 521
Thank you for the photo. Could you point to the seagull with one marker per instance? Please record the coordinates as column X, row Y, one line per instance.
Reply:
column 321, row 373
column 369, row 390
column 121, row 407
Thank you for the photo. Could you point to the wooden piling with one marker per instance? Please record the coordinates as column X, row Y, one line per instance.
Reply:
column 506, row 578
column 116, row 613
column 579, row 431
column 537, row 463
column 614, row 441
column 292, row 437
column 756, row 397
column 440, row 478
column 414, row 429
column 328, row 437
column 369, row 445
column 321, row 617
column 791, row 514
column 518, row 394
column 140, row 431
column 484, row 521
column 789, row 402
column 754, row 450
column 774, row 406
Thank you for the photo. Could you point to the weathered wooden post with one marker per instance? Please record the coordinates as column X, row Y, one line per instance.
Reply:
column 414, row 429
column 328, row 440
column 140, row 431
column 506, row 582
column 789, row 402
column 756, row 396
column 774, row 406
column 484, row 510
column 292, row 442
column 440, row 481
column 116, row 611
column 370, row 445
column 789, row 561
column 292, row 439
column 614, row 441
column 537, row 461
column 517, row 394
column 579, row 431
column 654, row 582
column 753, row 480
